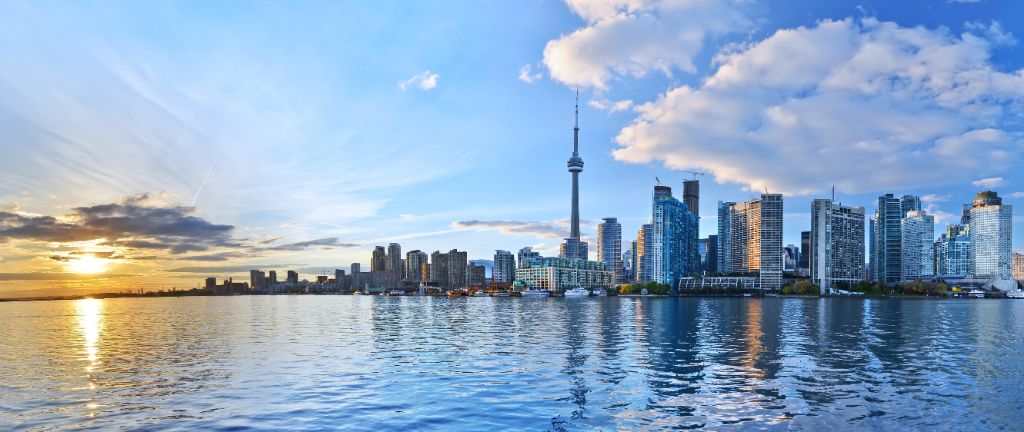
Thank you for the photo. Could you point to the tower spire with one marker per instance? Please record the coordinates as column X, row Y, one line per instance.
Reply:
column 576, row 127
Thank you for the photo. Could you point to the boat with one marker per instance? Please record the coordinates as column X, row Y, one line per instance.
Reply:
column 1018, row 294
column 480, row 293
column 600, row 292
column 357, row 293
column 536, row 293
column 577, row 292
column 396, row 293
column 502, row 294
column 976, row 293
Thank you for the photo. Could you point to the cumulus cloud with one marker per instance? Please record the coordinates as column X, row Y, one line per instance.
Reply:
column 934, row 198
column 864, row 105
column 990, row 182
column 635, row 37
column 425, row 80
column 527, row 75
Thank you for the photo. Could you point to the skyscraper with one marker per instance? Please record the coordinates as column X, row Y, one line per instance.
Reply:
column 836, row 244
column 292, row 278
column 439, row 272
column 804, row 263
column 645, row 251
column 691, row 196
column 674, row 242
column 504, row 267
column 609, row 247
column 414, row 261
column 573, row 246
column 753, row 231
column 886, row 237
column 476, row 275
column 354, row 268
column 1018, row 266
column 378, row 262
column 917, row 259
column 953, row 251
column 457, row 267
column 991, row 236
column 724, row 227
column 711, row 255
column 256, row 280
column 393, row 265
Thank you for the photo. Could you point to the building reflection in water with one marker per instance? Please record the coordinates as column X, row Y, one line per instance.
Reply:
column 90, row 325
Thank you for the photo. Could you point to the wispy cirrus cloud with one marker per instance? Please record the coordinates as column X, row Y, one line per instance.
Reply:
column 425, row 80
column 989, row 182
column 327, row 243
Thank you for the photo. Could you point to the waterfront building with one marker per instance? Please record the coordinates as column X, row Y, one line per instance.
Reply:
column 711, row 252
column 211, row 284
column 609, row 248
column 629, row 262
column 673, row 242
column 691, row 196
column 791, row 256
column 504, row 267
column 753, row 231
column 557, row 274
column 476, row 275
column 525, row 254
column 341, row 282
column 393, row 265
column 724, row 219
column 953, row 251
column 836, row 244
column 292, row 278
column 378, row 261
column 354, row 267
column 414, row 261
column 885, row 239
column 991, row 236
column 804, row 263
column 918, row 246
column 273, row 277
column 573, row 246
column 458, row 263
column 439, row 272
column 645, row 251
column 1018, row 266
column 256, row 280
column 910, row 203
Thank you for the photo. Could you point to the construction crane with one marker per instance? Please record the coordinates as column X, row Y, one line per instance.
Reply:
column 695, row 173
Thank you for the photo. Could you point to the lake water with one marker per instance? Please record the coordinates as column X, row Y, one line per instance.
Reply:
column 422, row 363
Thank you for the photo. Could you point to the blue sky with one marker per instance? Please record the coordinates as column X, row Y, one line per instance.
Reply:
column 329, row 127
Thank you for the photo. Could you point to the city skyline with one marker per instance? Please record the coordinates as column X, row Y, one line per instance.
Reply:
column 187, row 174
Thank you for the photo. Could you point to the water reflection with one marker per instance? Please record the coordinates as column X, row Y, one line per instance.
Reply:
column 88, row 313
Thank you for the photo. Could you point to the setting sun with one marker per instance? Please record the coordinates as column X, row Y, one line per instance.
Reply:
column 87, row 264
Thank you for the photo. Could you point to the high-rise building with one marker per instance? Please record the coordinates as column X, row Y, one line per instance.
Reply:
column 711, row 254
column 1018, row 266
column 792, row 257
column 273, row 277
column 691, row 196
column 910, row 203
column 628, row 258
column 476, row 275
column 211, row 284
column 354, row 268
column 804, row 263
column 414, row 261
column 525, row 254
column 292, row 278
column 378, row 262
column 457, row 267
column 609, row 248
column 991, row 236
column 754, row 238
column 953, row 251
column 674, row 242
column 504, row 267
column 634, row 260
column 645, row 251
column 340, row 281
column 724, row 226
column 256, row 279
column 393, row 265
column 917, row 241
column 836, row 244
column 573, row 246
column 886, row 236
column 439, row 272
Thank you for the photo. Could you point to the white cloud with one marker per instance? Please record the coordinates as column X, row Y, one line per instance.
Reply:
column 933, row 198
column 1017, row 195
column 425, row 80
column 527, row 75
column 864, row 105
column 990, row 182
column 611, row 107
column 542, row 230
column 634, row 37
column 407, row 216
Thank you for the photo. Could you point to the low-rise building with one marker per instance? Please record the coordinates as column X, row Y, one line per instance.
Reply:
column 558, row 274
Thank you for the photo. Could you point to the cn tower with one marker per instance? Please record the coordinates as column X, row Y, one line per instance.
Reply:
column 573, row 247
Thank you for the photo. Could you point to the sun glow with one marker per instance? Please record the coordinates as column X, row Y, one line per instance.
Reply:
column 87, row 264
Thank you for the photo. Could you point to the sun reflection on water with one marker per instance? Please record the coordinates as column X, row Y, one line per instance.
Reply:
column 90, row 326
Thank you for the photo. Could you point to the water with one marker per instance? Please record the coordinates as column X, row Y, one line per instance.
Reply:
column 376, row 363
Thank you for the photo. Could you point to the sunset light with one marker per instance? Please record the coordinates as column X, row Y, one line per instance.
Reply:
column 87, row 264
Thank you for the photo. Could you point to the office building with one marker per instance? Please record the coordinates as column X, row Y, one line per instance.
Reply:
column 953, row 251
column 629, row 262
column 292, row 278
column 753, row 235
column 504, row 267
column 525, row 254
column 991, row 236
column 886, row 235
column 724, row 219
column 211, row 284
column 910, row 203
column 645, row 251
column 378, row 261
column 439, row 271
column 711, row 254
column 918, row 245
column 414, row 261
column 1018, row 266
column 804, row 263
column 393, row 265
column 691, row 196
column 673, row 242
column 836, row 255
column 341, row 282
column 458, row 263
column 354, row 267
column 609, row 248
column 476, row 275
column 573, row 246
column 791, row 256
column 559, row 274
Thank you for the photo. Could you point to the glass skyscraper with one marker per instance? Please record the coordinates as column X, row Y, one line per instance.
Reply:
column 674, row 241
column 991, row 236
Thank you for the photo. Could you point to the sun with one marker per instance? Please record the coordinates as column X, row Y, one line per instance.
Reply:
column 87, row 264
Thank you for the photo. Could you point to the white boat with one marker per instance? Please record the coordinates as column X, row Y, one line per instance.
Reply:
column 577, row 292
column 976, row 293
column 480, row 293
column 357, row 293
column 1018, row 294
column 536, row 293
column 600, row 292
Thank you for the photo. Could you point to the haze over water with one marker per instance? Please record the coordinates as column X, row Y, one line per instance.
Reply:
column 378, row 363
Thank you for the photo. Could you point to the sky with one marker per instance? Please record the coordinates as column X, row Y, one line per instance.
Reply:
column 148, row 145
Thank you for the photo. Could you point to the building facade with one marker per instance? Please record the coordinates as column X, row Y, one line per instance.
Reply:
column 753, row 231
column 504, row 267
column 609, row 248
column 886, row 234
column 557, row 274
column 415, row 262
column 691, row 196
column 526, row 253
column 991, row 236
column 674, row 242
column 918, row 246
column 645, row 251
column 953, row 251
column 836, row 243
column 1018, row 266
